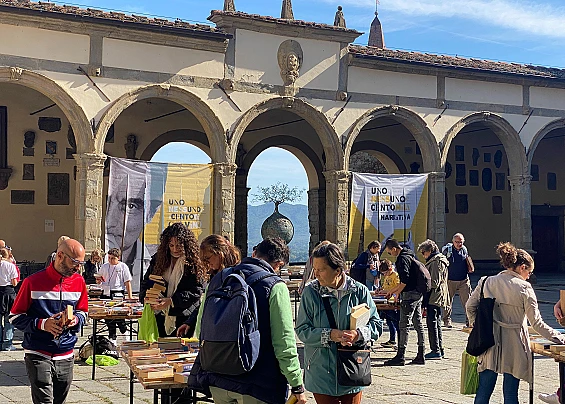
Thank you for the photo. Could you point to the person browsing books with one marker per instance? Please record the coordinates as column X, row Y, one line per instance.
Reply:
column 313, row 328
column 389, row 280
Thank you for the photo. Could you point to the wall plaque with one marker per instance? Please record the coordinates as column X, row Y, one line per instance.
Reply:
column 28, row 151
column 51, row 162
column 29, row 172
column 58, row 189
column 49, row 124
column 50, row 147
column 22, row 197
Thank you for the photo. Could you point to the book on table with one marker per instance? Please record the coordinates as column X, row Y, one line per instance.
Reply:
column 181, row 377
column 180, row 367
column 541, row 343
column 557, row 348
column 360, row 316
column 144, row 352
column 155, row 371
column 148, row 360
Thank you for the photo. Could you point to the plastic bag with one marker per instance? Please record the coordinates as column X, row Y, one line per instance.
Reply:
column 469, row 374
column 103, row 360
column 148, row 330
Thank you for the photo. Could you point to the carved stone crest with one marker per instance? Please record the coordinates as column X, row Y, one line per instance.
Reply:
column 290, row 58
column 131, row 146
column 16, row 73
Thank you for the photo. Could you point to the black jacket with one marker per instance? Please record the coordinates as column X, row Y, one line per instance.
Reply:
column 405, row 269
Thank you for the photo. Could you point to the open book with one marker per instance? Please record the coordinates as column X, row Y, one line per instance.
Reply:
column 360, row 315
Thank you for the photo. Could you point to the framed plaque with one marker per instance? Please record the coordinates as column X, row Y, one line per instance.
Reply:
column 58, row 189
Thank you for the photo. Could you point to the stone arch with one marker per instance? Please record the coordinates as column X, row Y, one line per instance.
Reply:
column 210, row 122
column 197, row 139
column 74, row 113
column 310, row 161
column 388, row 157
column 318, row 120
column 557, row 124
column 515, row 151
column 412, row 121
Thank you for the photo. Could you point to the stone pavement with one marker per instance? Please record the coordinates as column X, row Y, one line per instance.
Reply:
column 436, row 382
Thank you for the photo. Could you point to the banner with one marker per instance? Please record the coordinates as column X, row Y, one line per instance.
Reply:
column 145, row 197
column 386, row 206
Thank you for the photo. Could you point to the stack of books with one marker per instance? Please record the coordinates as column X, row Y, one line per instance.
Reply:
column 169, row 344
column 133, row 345
column 359, row 317
column 156, row 290
column 154, row 372
column 541, row 344
column 182, row 369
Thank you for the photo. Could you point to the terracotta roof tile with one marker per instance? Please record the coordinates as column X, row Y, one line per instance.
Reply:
column 106, row 15
column 458, row 62
column 297, row 23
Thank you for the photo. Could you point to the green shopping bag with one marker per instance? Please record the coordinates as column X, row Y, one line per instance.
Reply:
column 469, row 374
column 103, row 360
column 148, row 325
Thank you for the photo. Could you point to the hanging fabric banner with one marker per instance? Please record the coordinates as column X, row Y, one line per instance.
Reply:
column 385, row 206
column 146, row 197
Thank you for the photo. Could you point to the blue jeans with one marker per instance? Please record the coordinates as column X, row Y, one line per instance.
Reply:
column 6, row 331
column 487, row 381
column 391, row 317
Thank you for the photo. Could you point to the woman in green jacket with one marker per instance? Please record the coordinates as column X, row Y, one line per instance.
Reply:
column 313, row 327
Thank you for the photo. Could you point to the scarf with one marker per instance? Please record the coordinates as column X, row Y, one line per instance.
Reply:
column 174, row 280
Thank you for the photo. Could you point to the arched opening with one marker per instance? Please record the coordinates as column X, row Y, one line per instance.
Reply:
column 477, row 192
column 274, row 165
column 285, row 129
column 548, row 200
column 37, row 142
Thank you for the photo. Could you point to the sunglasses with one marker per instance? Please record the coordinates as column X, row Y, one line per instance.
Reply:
column 74, row 260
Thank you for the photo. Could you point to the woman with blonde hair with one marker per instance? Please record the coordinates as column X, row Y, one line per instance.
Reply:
column 515, row 301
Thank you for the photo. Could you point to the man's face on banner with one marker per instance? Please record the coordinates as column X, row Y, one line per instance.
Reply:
column 125, row 203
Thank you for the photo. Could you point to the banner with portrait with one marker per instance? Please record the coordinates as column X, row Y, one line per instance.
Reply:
column 386, row 206
column 146, row 197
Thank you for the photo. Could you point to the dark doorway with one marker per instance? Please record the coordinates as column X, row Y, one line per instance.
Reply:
column 546, row 242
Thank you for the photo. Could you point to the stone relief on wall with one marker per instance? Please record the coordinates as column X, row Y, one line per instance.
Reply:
column 290, row 58
column 29, row 138
column 131, row 146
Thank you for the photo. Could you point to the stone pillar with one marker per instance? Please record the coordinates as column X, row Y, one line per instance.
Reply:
column 314, row 217
column 436, row 207
column 241, row 194
column 224, row 199
column 521, row 211
column 88, row 200
column 337, row 197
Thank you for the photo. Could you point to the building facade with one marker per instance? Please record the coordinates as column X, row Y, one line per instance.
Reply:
column 76, row 84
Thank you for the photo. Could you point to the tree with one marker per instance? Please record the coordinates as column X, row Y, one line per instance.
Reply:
column 277, row 194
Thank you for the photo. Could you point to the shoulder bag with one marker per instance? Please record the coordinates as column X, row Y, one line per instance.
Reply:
column 353, row 364
column 482, row 335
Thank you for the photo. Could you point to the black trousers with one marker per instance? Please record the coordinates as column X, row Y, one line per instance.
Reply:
column 50, row 379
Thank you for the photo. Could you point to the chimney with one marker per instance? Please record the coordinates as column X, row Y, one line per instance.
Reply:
column 286, row 12
column 376, row 36
column 229, row 5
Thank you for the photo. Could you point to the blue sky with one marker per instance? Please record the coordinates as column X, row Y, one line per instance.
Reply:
column 530, row 32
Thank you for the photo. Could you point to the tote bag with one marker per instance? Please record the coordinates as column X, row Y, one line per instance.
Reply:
column 482, row 335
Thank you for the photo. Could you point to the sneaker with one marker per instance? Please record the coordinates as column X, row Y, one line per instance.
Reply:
column 433, row 355
column 549, row 398
column 389, row 344
column 10, row 348
column 396, row 361
column 447, row 324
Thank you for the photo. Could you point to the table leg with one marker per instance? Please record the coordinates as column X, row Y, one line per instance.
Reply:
column 562, row 382
column 156, row 396
column 94, row 326
column 130, row 329
column 130, row 386
column 532, row 384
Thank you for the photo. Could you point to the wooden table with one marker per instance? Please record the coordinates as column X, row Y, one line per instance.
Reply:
column 560, row 359
column 104, row 316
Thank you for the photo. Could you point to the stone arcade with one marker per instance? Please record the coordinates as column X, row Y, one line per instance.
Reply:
column 91, row 84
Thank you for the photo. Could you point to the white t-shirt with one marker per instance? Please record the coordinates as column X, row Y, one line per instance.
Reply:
column 115, row 276
column 8, row 272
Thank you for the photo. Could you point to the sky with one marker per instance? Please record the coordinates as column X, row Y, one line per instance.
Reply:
column 520, row 31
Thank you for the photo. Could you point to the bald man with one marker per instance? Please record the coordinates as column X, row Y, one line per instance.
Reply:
column 38, row 312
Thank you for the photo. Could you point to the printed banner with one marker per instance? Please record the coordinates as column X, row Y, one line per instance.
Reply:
column 145, row 197
column 385, row 206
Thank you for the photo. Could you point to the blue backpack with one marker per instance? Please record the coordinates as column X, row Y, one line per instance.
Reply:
column 229, row 333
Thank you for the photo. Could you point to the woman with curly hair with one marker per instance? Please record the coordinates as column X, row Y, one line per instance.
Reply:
column 216, row 253
column 177, row 260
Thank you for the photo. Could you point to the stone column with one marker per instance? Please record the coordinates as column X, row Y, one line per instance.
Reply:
column 337, row 197
column 521, row 211
column 88, row 199
column 436, row 207
column 241, row 236
column 224, row 199
column 314, row 217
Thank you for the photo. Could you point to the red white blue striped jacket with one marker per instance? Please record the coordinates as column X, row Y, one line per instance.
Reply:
column 41, row 295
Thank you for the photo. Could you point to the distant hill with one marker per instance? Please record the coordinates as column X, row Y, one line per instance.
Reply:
column 298, row 215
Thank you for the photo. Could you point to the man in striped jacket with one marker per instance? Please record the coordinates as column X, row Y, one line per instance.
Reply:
column 39, row 312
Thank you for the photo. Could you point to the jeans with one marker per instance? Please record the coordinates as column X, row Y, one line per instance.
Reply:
column 410, row 312
column 50, row 380
column 487, row 381
column 6, row 331
column 391, row 317
column 433, row 321
column 370, row 285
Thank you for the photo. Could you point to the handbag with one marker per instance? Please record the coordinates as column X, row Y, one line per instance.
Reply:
column 470, row 264
column 353, row 364
column 482, row 334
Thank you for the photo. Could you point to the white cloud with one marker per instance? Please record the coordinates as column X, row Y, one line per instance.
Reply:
column 528, row 17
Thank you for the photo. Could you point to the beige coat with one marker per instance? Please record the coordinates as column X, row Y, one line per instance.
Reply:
column 437, row 266
column 515, row 305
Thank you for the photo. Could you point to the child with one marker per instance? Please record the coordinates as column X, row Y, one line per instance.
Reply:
column 389, row 280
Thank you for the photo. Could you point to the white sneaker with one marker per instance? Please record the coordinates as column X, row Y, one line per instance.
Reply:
column 549, row 398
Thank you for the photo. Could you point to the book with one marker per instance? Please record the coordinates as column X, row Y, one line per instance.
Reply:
column 169, row 339
column 181, row 377
column 173, row 356
column 156, row 371
column 541, row 343
column 68, row 315
column 557, row 348
column 144, row 352
column 181, row 367
column 360, row 316
column 148, row 360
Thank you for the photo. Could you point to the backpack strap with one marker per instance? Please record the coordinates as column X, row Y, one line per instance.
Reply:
column 483, row 286
column 329, row 312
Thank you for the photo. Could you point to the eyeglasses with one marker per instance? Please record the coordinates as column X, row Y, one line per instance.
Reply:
column 74, row 260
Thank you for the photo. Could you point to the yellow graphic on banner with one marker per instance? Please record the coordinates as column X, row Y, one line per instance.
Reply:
column 186, row 199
